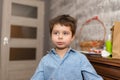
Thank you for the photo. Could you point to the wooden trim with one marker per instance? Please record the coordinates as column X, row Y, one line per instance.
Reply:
column 108, row 68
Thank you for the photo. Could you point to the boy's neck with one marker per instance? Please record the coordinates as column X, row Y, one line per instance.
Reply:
column 61, row 52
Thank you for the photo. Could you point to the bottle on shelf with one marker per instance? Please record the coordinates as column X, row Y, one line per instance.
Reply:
column 108, row 45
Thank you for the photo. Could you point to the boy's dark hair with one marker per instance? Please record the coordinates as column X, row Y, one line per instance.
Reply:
column 65, row 20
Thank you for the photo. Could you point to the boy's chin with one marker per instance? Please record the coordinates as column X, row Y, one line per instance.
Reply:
column 61, row 48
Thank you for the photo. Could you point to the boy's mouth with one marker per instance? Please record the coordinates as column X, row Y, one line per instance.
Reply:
column 60, row 43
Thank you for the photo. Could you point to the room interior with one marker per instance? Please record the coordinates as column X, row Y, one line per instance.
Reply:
column 24, row 33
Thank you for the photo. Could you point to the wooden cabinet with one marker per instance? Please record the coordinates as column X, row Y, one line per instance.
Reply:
column 108, row 68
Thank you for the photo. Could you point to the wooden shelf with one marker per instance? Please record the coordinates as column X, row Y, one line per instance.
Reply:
column 108, row 68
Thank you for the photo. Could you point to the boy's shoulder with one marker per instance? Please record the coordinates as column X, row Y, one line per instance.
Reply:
column 78, row 52
column 46, row 56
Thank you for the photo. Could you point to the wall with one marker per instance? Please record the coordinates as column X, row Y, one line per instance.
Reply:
column 0, row 31
column 106, row 10
column 46, row 27
column 0, row 18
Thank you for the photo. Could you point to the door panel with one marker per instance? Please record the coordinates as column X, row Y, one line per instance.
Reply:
column 23, row 32
column 22, row 37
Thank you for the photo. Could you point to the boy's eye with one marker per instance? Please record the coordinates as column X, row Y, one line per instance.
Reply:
column 65, row 33
column 56, row 33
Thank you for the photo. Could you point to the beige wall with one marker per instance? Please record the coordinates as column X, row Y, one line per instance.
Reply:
column 0, row 17
column 0, row 31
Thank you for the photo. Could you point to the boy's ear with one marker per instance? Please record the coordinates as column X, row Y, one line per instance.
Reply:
column 73, row 37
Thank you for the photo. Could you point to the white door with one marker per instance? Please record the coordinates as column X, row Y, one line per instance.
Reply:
column 22, row 38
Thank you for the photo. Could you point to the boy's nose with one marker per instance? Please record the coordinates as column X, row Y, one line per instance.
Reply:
column 60, row 36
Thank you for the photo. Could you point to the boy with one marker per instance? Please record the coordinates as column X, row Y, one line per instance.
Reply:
column 63, row 62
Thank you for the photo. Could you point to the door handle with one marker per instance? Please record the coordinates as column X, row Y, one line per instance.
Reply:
column 5, row 41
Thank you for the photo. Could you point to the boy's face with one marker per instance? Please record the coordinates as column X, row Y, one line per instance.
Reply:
column 61, row 36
